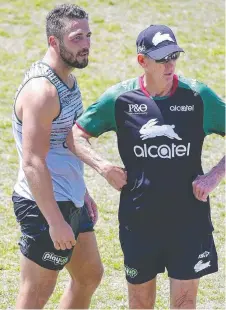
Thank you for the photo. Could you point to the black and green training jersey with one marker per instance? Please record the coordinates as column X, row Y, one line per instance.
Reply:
column 159, row 138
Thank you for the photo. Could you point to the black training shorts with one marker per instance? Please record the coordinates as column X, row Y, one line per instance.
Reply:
column 35, row 242
column 185, row 256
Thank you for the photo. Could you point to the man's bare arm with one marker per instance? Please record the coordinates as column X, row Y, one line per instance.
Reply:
column 219, row 170
column 204, row 184
column 78, row 143
column 37, row 106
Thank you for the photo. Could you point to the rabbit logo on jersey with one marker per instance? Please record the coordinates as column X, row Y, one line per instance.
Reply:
column 151, row 130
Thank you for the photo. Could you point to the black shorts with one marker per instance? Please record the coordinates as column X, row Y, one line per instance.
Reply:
column 35, row 242
column 185, row 256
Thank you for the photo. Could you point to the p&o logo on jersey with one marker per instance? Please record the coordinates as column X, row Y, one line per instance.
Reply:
column 138, row 108
column 151, row 130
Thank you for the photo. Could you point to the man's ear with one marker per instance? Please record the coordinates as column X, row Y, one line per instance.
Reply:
column 52, row 41
column 141, row 60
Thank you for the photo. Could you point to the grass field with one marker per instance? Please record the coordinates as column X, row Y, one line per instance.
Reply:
column 115, row 24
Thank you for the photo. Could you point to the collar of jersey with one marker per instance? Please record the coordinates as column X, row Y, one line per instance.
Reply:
column 145, row 91
column 69, row 88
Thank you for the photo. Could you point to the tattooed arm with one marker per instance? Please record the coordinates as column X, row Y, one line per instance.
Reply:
column 204, row 184
column 78, row 143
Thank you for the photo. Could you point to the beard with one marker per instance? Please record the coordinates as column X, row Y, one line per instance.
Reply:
column 72, row 60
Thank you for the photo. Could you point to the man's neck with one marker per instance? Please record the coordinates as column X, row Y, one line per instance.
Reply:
column 58, row 66
column 156, row 89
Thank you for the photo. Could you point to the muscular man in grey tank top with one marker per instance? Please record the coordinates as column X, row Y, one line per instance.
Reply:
column 51, row 202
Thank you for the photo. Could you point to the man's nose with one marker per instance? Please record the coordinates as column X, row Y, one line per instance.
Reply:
column 170, row 64
column 86, row 43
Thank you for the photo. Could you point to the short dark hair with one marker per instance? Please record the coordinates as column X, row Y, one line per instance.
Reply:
column 55, row 25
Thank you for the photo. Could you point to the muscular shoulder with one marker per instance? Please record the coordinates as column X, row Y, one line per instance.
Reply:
column 39, row 88
column 39, row 95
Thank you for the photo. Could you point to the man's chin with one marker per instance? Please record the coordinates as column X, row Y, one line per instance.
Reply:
column 80, row 65
column 76, row 64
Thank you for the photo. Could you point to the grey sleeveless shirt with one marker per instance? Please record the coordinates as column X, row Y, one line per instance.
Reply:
column 65, row 168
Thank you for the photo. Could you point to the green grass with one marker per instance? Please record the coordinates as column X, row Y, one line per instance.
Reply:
column 115, row 25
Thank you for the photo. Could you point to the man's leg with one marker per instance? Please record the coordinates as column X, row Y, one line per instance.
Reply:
column 190, row 258
column 86, row 271
column 36, row 285
column 40, row 261
column 142, row 296
column 183, row 293
column 143, row 260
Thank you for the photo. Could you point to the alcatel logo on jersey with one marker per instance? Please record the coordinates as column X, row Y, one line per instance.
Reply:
column 151, row 130
column 183, row 108
column 138, row 108
column 162, row 151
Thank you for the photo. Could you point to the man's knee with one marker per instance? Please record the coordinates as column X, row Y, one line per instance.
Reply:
column 185, row 300
column 142, row 296
column 92, row 278
column 97, row 275
column 136, row 302
column 183, row 293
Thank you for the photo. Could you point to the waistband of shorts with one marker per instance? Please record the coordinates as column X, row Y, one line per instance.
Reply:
column 61, row 204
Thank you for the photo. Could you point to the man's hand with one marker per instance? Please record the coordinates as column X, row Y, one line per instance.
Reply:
column 116, row 176
column 92, row 207
column 204, row 184
column 62, row 235
column 78, row 143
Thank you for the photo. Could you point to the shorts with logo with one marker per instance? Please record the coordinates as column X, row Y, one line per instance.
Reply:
column 35, row 242
column 185, row 256
column 164, row 228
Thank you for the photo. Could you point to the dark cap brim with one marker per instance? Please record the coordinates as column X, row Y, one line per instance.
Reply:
column 164, row 51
